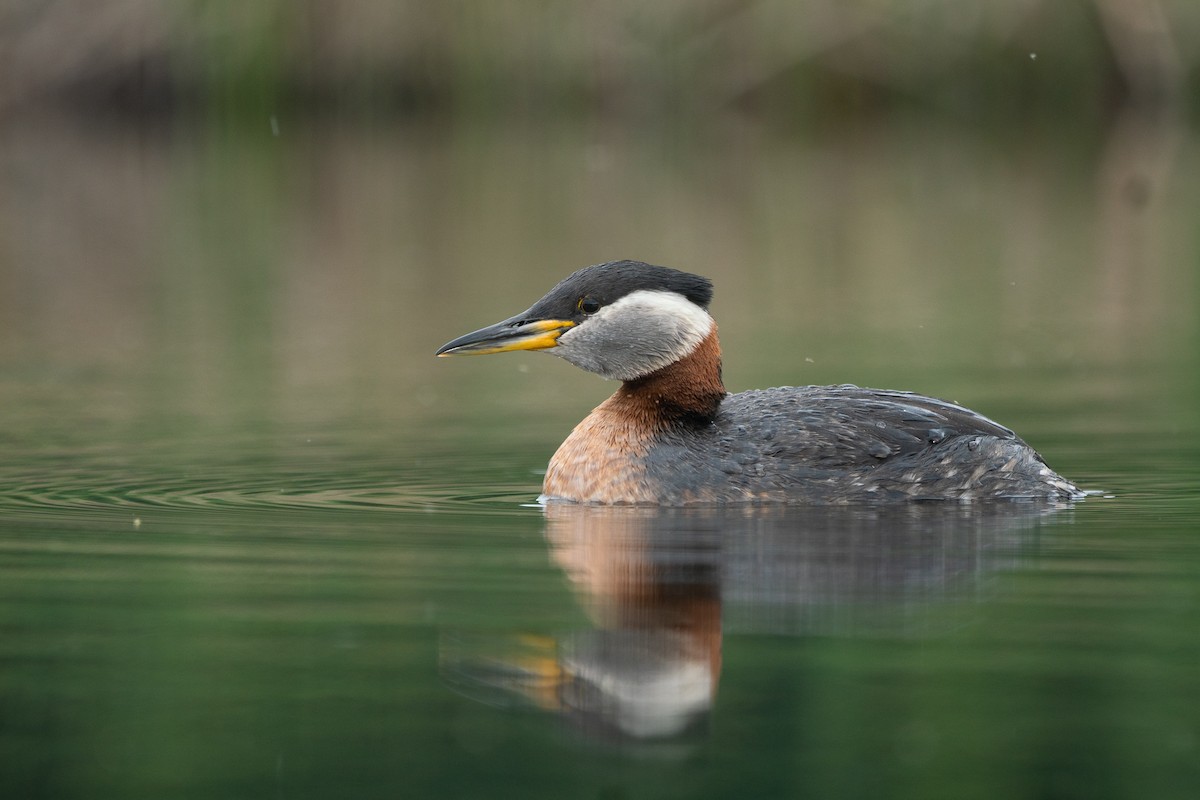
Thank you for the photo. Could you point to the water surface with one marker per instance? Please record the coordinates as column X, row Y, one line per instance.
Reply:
column 255, row 541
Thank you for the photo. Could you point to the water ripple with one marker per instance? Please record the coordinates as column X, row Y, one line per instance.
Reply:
column 222, row 489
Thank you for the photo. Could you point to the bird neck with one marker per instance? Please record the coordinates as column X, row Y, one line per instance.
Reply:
column 688, row 390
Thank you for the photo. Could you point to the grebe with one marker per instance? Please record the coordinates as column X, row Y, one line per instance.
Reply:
column 671, row 434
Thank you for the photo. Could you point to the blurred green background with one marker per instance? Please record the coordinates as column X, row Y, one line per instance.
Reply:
column 246, row 198
column 803, row 62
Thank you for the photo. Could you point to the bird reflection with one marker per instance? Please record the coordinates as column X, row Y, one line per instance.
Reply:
column 662, row 587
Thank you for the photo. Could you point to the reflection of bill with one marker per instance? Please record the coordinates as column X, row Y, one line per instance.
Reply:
column 658, row 583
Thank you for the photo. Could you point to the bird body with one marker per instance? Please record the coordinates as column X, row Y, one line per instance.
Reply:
column 672, row 435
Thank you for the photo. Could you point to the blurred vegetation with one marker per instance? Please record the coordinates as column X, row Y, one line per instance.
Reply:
column 929, row 195
column 806, row 61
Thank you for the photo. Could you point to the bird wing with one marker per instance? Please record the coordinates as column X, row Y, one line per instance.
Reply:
column 842, row 427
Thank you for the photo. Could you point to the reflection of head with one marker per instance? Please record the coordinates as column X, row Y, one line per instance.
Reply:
column 650, row 581
column 645, row 683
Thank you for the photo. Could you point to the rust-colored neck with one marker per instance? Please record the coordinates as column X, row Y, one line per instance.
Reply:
column 688, row 390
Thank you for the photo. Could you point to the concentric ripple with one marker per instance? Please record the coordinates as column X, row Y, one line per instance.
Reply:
column 360, row 485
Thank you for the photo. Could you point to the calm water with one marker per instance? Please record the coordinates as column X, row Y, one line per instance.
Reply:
column 256, row 542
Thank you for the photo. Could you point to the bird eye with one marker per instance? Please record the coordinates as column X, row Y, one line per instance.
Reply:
column 589, row 306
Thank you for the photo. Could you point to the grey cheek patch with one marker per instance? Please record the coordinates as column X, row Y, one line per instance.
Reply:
column 640, row 333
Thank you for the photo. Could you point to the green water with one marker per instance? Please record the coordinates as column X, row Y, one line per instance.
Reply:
column 255, row 541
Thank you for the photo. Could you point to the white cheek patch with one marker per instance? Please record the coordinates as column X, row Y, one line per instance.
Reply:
column 638, row 334
column 665, row 316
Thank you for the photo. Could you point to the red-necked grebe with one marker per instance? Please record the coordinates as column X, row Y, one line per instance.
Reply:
column 672, row 435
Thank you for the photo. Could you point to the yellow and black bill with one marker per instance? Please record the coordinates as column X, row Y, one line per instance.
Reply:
column 515, row 333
